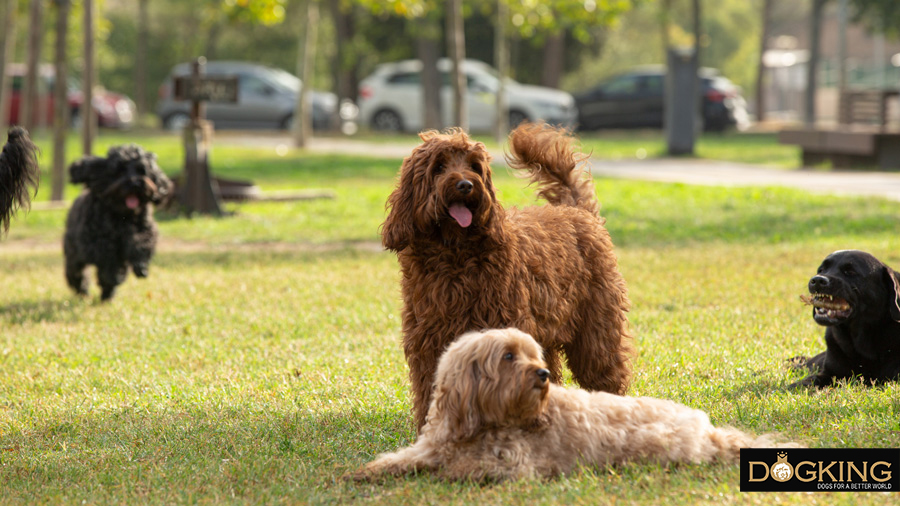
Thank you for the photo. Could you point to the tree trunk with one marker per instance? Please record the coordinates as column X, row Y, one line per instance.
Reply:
column 346, row 64
column 815, row 19
column 88, row 115
column 456, row 47
column 140, row 71
column 760, row 65
column 664, row 15
column 554, row 56
column 306, row 53
column 501, row 58
column 28, row 106
column 427, row 51
column 60, row 104
column 697, row 16
column 6, row 56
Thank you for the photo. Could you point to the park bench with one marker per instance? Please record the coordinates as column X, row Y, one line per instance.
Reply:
column 862, row 137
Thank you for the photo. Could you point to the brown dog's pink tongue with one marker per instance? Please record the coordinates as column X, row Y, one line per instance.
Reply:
column 461, row 214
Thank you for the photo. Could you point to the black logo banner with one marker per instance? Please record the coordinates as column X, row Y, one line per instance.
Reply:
column 820, row 470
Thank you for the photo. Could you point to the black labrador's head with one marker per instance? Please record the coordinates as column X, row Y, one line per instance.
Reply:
column 853, row 285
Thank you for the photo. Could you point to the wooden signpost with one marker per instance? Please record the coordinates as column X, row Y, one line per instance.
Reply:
column 201, row 193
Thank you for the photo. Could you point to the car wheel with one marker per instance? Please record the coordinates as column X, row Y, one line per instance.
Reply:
column 516, row 118
column 288, row 123
column 387, row 120
column 176, row 121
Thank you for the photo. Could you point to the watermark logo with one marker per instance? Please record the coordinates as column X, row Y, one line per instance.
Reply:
column 782, row 471
column 820, row 469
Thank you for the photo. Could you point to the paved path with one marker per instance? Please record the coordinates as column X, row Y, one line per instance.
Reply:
column 674, row 170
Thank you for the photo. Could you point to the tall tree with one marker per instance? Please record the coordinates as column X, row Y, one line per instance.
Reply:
column 140, row 71
column 456, row 48
column 815, row 26
column 760, row 64
column 427, row 49
column 60, row 104
column 88, row 115
column 306, row 53
column 501, row 59
column 6, row 55
column 29, row 106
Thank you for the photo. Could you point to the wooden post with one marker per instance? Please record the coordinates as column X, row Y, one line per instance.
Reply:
column 199, row 195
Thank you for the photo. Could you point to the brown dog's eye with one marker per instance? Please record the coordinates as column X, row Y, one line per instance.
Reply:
column 509, row 357
column 476, row 167
column 438, row 168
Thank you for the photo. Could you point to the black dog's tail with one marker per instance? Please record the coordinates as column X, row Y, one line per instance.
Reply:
column 19, row 171
column 546, row 153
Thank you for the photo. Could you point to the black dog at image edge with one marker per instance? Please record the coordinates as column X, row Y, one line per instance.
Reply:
column 111, row 225
column 19, row 173
column 857, row 298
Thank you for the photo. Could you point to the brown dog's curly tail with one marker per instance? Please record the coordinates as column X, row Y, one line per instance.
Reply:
column 18, row 172
column 546, row 153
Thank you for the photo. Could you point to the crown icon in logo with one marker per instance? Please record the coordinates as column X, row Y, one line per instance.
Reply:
column 781, row 470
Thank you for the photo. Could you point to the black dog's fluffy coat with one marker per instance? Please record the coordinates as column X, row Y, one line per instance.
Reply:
column 856, row 297
column 19, row 172
column 111, row 224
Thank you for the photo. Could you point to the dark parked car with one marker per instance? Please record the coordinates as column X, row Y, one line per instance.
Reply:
column 113, row 110
column 266, row 99
column 635, row 99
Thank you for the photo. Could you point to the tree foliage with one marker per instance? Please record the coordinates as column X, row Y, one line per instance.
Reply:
column 882, row 16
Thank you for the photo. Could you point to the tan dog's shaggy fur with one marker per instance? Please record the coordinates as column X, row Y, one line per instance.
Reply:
column 469, row 264
column 496, row 416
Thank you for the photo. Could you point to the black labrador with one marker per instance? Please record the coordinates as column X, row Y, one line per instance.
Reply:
column 857, row 298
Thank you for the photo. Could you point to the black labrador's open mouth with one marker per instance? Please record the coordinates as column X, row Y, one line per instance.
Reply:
column 827, row 306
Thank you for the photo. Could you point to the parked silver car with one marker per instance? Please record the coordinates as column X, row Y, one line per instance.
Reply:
column 266, row 99
column 391, row 98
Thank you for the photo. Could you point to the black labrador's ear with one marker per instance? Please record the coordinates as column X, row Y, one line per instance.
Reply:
column 892, row 284
column 83, row 170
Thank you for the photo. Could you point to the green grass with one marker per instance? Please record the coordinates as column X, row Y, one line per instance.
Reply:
column 261, row 359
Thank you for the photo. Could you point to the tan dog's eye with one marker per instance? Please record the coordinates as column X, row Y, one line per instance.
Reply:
column 509, row 356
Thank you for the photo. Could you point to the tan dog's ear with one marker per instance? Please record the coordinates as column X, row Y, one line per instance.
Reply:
column 398, row 228
column 455, row 406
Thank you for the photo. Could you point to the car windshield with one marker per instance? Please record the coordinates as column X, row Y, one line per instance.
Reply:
column 283, row 79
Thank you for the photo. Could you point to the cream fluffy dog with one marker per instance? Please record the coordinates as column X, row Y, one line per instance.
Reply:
column 495, row 415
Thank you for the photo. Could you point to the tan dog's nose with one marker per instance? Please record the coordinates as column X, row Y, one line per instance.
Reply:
column 543, row 374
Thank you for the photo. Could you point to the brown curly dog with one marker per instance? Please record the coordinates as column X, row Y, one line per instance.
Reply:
column 469, row 264
column 496, row 416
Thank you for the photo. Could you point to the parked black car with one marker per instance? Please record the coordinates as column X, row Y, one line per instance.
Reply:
column 635, row 99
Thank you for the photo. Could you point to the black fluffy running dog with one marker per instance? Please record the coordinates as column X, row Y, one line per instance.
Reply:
column 19, row 172
column 111, row 224
column 856, row 297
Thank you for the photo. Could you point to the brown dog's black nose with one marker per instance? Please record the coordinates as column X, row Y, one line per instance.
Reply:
column 543, row 374
column 465, row 186
column 818, row 283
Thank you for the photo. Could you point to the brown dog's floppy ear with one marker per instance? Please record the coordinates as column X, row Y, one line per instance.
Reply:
column 398, row 228
column 892, row 284
column 82, row 170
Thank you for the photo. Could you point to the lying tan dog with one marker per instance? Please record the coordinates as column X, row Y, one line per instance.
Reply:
column 495, row 415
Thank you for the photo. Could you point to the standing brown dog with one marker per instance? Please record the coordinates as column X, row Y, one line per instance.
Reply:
column 468, row 264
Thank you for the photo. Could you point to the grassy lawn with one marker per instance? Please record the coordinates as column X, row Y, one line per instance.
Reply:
column 261, row 359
